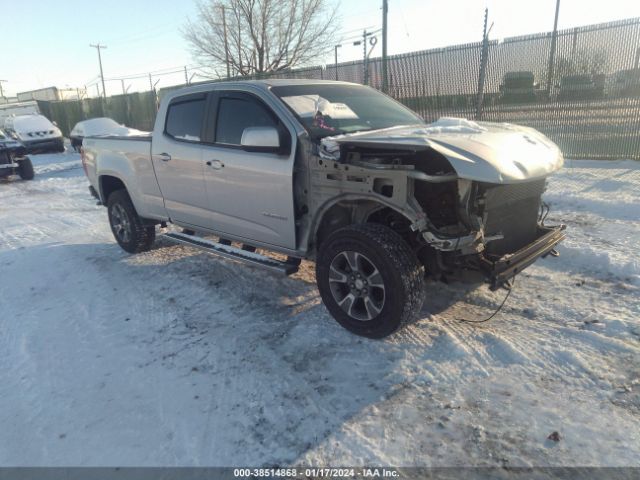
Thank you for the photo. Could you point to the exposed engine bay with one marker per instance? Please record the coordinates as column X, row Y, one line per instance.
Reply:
column 463, row 227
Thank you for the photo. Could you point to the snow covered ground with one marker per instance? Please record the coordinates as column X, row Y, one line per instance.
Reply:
column 174, row 357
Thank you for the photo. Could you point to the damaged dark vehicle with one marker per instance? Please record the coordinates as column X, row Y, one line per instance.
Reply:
column 14, row 159
column 339, row 174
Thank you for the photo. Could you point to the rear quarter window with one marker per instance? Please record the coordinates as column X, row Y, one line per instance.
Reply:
column 184, row 119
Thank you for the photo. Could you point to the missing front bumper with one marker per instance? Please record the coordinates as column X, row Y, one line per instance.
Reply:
column 508, row 266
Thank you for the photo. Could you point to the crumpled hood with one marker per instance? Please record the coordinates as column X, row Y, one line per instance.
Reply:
column 482, row 151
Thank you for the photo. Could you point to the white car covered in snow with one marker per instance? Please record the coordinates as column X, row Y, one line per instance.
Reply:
column 96, row 127
column 35, row 132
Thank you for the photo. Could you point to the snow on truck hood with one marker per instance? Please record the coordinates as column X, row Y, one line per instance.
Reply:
column 479, row 151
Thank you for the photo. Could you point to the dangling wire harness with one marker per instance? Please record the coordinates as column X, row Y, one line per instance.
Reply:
column 509, row 287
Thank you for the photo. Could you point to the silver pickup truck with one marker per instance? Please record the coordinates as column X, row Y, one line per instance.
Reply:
column 337, row 173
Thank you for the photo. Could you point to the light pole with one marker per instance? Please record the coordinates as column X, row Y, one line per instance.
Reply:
column 98, row 47
column 1, row 91
column 336, row 58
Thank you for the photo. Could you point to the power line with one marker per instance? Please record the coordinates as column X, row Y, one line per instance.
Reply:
column 148, row 33
column 359, row 37
column 159, row 72
column 404, row 22
column 357, row 30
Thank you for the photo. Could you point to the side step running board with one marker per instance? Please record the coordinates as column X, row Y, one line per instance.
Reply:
column 233, row 253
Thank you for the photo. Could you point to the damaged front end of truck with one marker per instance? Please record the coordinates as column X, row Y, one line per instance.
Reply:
column 467, row 197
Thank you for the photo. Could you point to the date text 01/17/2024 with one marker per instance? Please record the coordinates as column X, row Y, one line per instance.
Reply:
column 315, row 473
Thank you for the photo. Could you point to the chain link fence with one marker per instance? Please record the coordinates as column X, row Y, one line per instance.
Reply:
column 584, row 93
column 134, row 109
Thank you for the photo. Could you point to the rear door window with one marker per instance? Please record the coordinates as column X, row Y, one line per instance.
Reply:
column 184, row 118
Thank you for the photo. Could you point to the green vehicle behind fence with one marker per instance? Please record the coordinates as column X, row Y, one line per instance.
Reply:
column 581, row 87
column 624, row 83
column 518, row 87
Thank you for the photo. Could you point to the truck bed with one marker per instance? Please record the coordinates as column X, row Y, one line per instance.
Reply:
column 127, row 158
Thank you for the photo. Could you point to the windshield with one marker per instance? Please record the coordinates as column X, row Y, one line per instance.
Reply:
column 326, row 110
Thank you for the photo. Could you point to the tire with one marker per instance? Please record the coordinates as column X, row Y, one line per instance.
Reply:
column 390, row 290
column 25, row 169
column 128, row 228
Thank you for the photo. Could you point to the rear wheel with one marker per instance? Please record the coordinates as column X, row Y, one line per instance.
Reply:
column 370, row 279
column 128, row 228
column 25, row 169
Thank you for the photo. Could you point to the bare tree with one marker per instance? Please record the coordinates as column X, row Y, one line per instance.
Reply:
column 247, row 37
column 583, row 62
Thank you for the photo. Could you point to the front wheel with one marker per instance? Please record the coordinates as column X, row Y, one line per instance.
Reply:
column 128, row 228
column 369, row 279
column 25, row 169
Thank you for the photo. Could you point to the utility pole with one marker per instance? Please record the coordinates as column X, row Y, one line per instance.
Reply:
column 150, row 83
column 123, row 89
column 385, row 79
column 336, row 59
column 552, row 53
column 98, row 47
column 226, row 42
column 1, row 91
column 186, row 75
column 365, row 60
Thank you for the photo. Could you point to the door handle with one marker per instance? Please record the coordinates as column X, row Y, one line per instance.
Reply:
column 217, row 164
column 165, row 157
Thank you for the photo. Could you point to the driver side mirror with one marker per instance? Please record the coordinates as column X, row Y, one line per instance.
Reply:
column 261, row 139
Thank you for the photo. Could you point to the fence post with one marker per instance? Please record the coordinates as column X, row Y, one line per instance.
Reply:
column 552, row 53
column 483, row 67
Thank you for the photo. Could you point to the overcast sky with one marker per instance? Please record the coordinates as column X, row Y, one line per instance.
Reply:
column 46, row 43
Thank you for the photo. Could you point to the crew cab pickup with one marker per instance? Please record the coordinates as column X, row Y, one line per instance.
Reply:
column 337, row 173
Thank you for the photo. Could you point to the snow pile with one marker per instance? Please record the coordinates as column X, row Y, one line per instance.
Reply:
column 595, row 260
column 599, row 203
column 104, row 126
